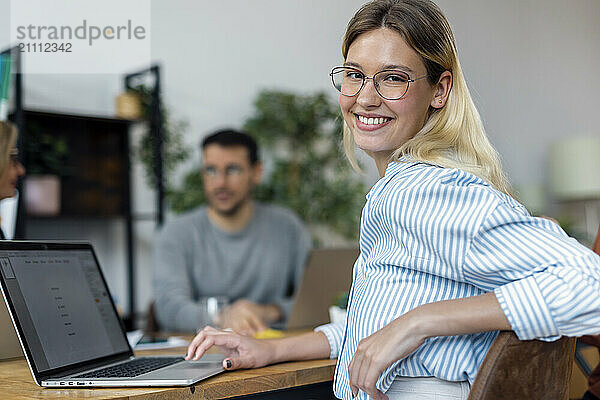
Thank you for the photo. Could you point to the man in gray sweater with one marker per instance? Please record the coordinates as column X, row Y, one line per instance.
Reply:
column 251, row 253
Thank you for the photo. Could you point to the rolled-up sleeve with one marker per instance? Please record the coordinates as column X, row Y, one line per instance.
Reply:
column 547, row 284
column 335, row 335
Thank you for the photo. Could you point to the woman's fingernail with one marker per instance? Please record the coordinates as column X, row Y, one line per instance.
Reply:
column 228, row 363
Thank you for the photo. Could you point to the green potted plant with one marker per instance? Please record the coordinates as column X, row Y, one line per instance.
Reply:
column 311, row 174
column 46, row 155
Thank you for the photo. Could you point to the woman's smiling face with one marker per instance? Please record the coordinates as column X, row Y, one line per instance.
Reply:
column 380, row 126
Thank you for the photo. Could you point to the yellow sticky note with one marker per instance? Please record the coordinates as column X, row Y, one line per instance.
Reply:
column 268, row 334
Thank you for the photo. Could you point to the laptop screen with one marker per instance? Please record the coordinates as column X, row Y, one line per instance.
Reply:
column 63, row 306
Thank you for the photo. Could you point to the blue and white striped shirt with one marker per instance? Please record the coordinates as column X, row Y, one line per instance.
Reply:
column 429, row 234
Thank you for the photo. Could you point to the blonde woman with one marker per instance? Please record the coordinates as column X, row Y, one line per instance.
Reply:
column 10, row 167
column 447, row 257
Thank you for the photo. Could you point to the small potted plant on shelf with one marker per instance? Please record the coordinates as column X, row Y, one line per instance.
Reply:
column 46, row 156
column 337, row 312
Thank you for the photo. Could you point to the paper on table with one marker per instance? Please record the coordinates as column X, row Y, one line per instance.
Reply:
column 134, row 337
column 173, row 341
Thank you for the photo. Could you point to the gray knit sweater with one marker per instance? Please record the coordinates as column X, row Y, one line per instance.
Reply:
column 194, row 259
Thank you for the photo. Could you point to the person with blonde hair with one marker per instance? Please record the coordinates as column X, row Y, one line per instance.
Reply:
column 447, row 257
column 10, row 167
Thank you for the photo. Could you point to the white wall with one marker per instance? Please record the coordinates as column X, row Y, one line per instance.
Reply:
column 531, row 66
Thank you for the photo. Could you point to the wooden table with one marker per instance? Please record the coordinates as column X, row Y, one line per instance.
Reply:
column 293, row 380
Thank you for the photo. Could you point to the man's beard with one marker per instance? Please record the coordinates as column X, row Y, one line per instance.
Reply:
column 231, row 211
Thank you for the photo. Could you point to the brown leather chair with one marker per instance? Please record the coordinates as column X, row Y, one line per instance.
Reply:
column 592, row 340
column 532, row 369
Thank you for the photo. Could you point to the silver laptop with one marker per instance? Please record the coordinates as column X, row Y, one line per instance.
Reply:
column 68, row 325
column 327, row 274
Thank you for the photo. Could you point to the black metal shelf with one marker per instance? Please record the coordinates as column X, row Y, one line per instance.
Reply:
column 76, row 126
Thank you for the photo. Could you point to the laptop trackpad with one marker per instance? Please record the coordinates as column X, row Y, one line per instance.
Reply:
column 194, row 366
column 185, row 370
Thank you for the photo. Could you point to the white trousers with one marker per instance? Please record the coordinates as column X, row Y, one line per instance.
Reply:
column 427, row 388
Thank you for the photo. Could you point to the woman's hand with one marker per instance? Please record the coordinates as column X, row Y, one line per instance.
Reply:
column 240, row 351
column 405, row 334
column 375, row 353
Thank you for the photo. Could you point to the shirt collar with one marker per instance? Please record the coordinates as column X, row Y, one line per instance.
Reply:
column 397, row 166
column 393, row 168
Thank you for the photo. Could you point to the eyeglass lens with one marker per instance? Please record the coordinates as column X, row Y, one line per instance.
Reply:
column 390, row 84
column 229, row 171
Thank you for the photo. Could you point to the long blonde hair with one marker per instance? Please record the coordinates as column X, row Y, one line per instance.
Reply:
column 8, row 139
column 452, row 136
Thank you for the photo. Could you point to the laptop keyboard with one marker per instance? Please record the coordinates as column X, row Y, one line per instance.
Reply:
column 132, row 368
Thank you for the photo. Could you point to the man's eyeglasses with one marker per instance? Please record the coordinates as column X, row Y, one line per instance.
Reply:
column 231, row 171
column 390, row 84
